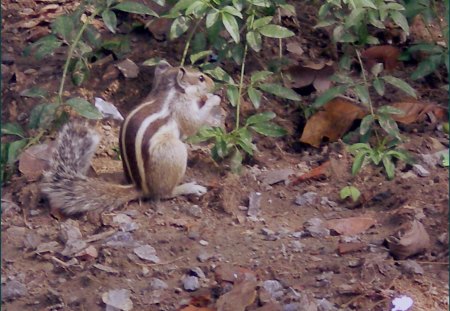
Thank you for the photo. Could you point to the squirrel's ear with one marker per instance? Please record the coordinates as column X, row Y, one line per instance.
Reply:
column 162, row 67
column 180, row 76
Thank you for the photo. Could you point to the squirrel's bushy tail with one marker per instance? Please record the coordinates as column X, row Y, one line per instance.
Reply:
column 66, row 184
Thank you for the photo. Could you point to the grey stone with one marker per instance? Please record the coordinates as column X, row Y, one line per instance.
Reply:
column 198, row 272
column 316, row 228
column 13, row 289
column 191, row 283
column 306, row 198
column 274, row 288
column 420, row 170
column 146, row 252
column 157, row 284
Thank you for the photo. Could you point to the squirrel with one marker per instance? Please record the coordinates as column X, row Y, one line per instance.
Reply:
column 151, row 145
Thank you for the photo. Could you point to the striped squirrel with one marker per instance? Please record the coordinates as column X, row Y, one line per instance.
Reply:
column 153, row 154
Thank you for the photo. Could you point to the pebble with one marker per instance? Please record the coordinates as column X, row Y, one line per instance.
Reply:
column 274, row 288
column 13, row 289
column 294, row 306
column 411, row 267
column 420, row 170
column 316, row 228
column 203, row 242
column 147, row 252
column 297, row 246
column 204, row 256
column 191, row 283
column 157, row 284
column 195, row 211
column 118, row 299
column 198, row 272
column 306, row 198
column 325, row 305
column 327, row 202
column 254, row 205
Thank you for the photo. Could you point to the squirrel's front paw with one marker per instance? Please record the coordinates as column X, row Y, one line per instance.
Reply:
column 213, row 100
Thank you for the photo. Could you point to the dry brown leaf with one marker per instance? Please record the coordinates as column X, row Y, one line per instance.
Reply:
column 410, row 239
column 352, row 225
column 317, row 172
column 242, row 295
column 316, row 74
column 415, row 111
column 332, row 122
column 34, row 161
column 386, row 54
column 295, row 48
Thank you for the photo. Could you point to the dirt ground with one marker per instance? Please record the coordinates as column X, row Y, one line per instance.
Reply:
column 252, row 242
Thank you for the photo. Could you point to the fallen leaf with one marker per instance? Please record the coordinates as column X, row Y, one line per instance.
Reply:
column 242, row 295
column 352, row 225
column 315, row 173
column 416, row 111
column 333, row 121
column 118, row 299
column 410, row 239
column 128, row 68
column 386, row 54
column 295, row 48
column 316, row 74
column 35, row 160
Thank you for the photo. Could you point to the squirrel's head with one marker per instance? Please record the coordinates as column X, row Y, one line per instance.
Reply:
column 186, row 80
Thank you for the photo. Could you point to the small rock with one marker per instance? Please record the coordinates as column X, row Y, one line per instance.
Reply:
column 325, row 201
column 107, row 109
column 13, row 289
column 146, row 252
column 157, row 284
column 89, row 252
column 420, row 170
column 70, row 230
column 191, row 283
column 294, row 306
column 125, row 223
column 299, row 234
column 276, row 176
column 443, row 238
column 254, row 205
column 297, row 246
column 73, row 247
column 325, row 305
column 204, row 256
column 194, row 211
column 408, row 174
column 31, row 241
column 306, row 198
column 118, row 299
column 121, row 239
column 198, row 272
column 316, row 227
column 411, row 266
column 273, row 288
column 203, row 242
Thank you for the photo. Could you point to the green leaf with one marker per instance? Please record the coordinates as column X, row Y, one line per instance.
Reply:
column 280, row 91
column 445, row 160
column 260, row 76
column 84, row 108
column 368, row 4
column 14, row 150
column 350, row 191
column 269, row 129
column 236, row 161
column 401, row 155
column 231, row 25
column 355, row 148
column 80, row 72
column 378, row 85
column 233, row 11
column 363, row 94
column 263, row 117
column 110, row 20
column 42, row 116
column 212, row 17
column 34, row 92
column 254, row 40
column 195, row 57
column 390, row 110
column 46, row 45
column 64, row 26
column 366, row 124
column 377, row 69
column 400, row 20
column 389, row 125
column 134, row 7
column 219, row 74
column 233, row 95
column 389, row 167
column 275, row 31
column 152, row 61
column 255, row 96
column 238, row 4
column 197, row 8
column 400, row 84
column 93, row 37
column 179, row 26
column 260, row 22
column 13, row 129
column 427, row 66
column 220, row 149
column 328, row 95
column 358, row 161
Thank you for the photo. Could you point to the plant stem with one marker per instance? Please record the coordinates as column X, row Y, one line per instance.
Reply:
column 188, row 41
column 70, row 54
column 366, row 83
column 241, row 86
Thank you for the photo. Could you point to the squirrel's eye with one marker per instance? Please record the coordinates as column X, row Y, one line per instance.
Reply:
column 201, row 78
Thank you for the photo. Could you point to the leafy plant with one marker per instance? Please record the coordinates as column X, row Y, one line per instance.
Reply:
column 232, row 29
column 350, row 192
column 353, row 20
